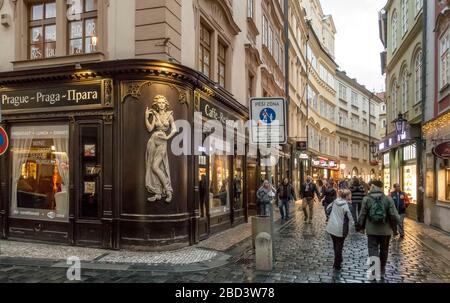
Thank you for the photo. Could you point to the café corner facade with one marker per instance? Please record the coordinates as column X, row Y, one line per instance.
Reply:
column 90, row 161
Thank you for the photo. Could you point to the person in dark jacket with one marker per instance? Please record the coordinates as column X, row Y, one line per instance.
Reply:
column 401, row 202
column 358, row 194
column 329, row 194
column 307, row 192
column 285, row 193
column 378, row 234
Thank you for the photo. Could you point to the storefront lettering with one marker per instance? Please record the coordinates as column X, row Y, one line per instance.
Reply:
column 214, row 113
column 53, row 96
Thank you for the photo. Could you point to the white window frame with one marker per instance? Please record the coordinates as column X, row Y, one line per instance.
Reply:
column 405, row 17
column 394, row 30
column 418, row 76
column 444, row 60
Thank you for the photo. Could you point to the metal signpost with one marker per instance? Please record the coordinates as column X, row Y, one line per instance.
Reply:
column 269, row 121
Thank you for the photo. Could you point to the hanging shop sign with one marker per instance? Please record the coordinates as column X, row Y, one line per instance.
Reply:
column 269, row 120
column 442, row 150
column 324, row 163
column 4, row 141
column 52, row 96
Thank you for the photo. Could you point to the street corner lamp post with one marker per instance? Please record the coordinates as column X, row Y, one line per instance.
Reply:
column 373, row 149
column 400, row 125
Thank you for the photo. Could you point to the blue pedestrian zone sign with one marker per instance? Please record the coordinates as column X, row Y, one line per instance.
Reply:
column 268, row 116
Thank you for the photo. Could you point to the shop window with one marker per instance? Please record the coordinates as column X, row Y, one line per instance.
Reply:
column 205, row 51
column 444, row 180
column 91, row 165
column 83, row 33
column 410, row 182
column 42, row 30
column 40, row 172
column 238, row 182
column 219, row 196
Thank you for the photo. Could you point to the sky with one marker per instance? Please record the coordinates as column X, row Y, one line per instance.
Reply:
column 358, row 45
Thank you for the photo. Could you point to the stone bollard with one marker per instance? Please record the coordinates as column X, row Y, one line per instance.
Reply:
column 264, row 252
column 261, row 224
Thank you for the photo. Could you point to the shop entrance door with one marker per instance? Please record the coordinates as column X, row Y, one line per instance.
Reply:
column 203, row 181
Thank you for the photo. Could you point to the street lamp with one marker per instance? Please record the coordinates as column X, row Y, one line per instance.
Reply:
column 373, row 148
column 400, row 125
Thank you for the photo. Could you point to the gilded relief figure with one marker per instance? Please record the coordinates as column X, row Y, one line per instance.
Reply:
column 161, row 125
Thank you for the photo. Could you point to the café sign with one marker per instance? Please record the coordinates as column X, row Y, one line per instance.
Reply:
column 210, row 111
column 442, row 150
column 51, row 97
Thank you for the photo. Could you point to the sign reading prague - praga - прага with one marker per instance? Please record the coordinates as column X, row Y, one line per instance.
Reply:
column 268, row 117
column 57, row 96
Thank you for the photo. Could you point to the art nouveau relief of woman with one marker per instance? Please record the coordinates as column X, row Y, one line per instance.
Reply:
column 161, row 125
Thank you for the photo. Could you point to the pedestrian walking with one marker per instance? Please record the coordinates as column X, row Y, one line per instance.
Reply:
column 328, row 196
column 307, row 192
column 401, row 202
column 285, row 194
column 265, row 196
column 358, row 193
column 377, row 214
column 338, row 225
column 343, row 184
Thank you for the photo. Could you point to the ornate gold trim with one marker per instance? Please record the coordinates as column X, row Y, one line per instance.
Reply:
column 134, row 88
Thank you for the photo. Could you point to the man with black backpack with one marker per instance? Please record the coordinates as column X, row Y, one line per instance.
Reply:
column 377, row 214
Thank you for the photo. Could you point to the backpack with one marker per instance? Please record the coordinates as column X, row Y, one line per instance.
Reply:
column 377, row 212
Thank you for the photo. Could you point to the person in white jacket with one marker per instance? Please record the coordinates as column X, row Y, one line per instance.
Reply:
column 338, row 224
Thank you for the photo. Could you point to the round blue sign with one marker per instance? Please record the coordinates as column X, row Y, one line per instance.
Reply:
column 267, row 116
column 3, row 141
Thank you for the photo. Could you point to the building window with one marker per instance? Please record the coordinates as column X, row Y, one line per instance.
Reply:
column 250, row 8
column 342, row 92
column 394, row 99
column 40, row 172
column 270, row 40
column 405, row 12
column 205, row 51
column 42, row 30
column 418, row 76
column 355, row 99
column 409, row 152
column 394, row 30
column 419, row 5
column 405, row 91
column 265, row 36
column 221, row 63
column 83, row 32
column 444, row 64
column 250, row 83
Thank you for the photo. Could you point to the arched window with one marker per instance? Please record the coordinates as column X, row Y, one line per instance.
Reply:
column 418, row 76
column 404, row 16
column 394, row 100
column 405, row 90
column 394, row 30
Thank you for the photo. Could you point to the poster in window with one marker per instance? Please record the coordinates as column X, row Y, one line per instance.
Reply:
column 89, row 150
column 89, row 188
column 93, row 170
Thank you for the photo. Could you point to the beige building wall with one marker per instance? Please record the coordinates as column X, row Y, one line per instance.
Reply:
column 7, row 38
column 404, row 48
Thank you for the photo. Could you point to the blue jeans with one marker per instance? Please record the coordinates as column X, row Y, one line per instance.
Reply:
column 283, row 205
column 401, row 227
column 264, row 209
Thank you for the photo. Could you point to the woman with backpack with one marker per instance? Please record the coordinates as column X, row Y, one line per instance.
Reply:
column 328, row 195
column 338, row 224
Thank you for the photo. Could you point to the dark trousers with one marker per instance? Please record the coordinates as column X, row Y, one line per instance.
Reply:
column 379, row 247
column 355, row 209
column 283, row 205
column 338, row 246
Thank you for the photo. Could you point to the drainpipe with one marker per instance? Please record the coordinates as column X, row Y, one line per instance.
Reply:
column 421, row 143
column 287, row 81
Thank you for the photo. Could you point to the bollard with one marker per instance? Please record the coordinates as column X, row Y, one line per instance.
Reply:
column 261, row 224
column 264, row 252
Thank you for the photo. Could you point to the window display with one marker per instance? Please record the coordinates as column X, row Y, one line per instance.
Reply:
column 219, row 197
column 40, row 172
column 91, row 179
column 443, row 181
column 410, row 182
column 238, row 182
column 387, row 181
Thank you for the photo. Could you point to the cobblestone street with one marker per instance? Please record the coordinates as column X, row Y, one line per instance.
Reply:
column 303, row 255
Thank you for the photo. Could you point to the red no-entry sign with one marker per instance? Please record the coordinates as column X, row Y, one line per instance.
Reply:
column 4, row 142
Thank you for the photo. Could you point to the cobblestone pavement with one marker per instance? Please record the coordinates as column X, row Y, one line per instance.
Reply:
column 303, row 255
